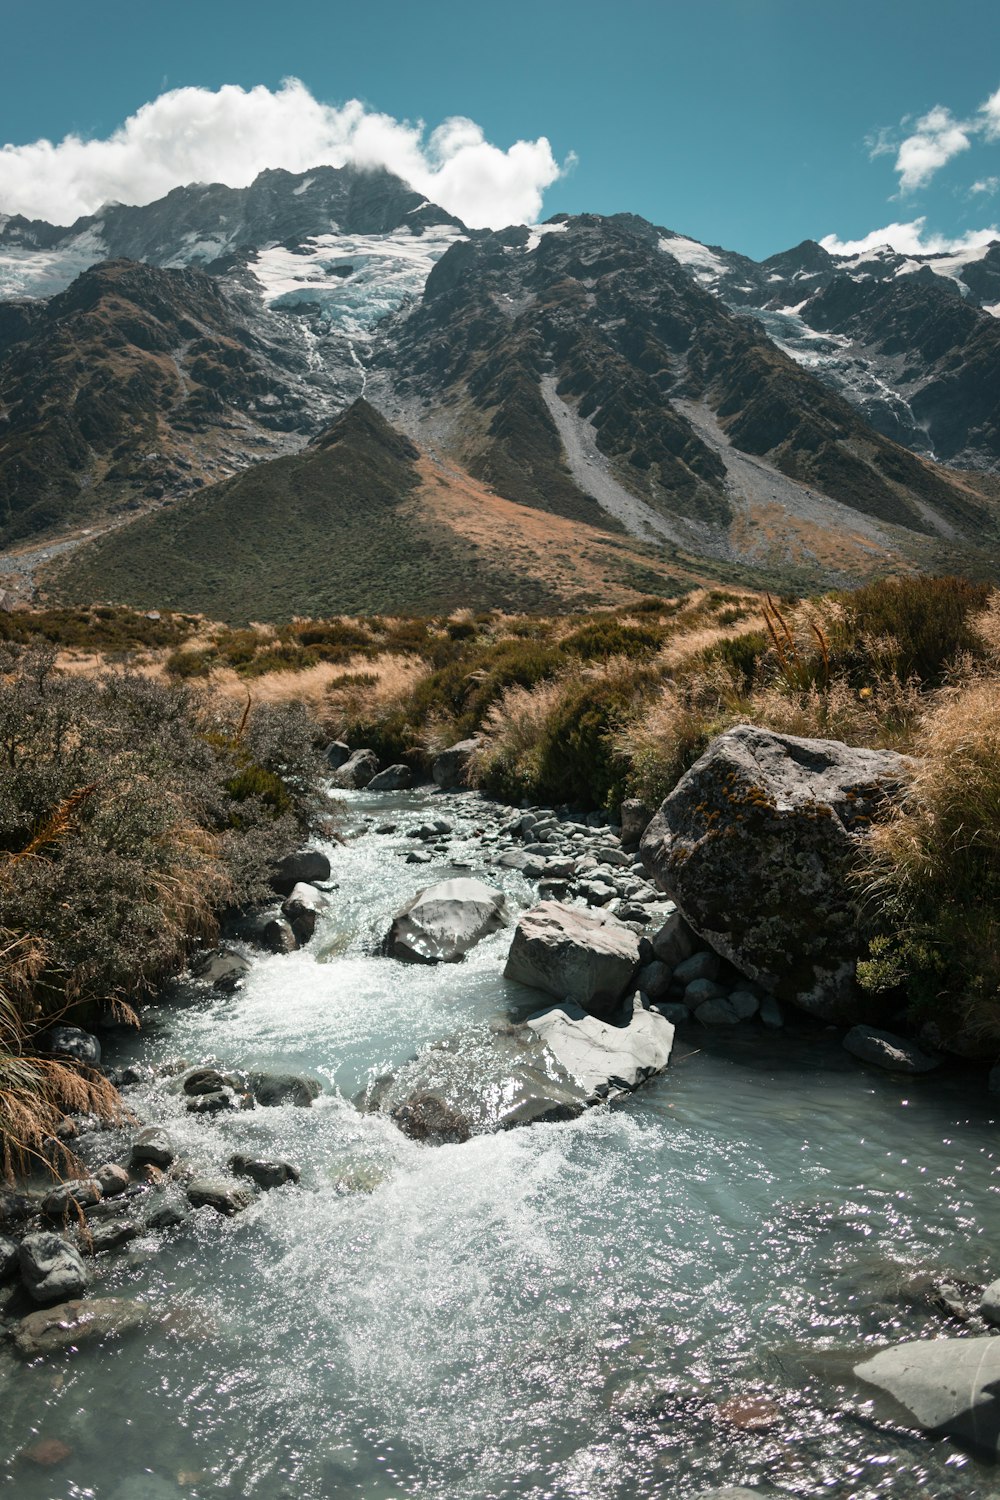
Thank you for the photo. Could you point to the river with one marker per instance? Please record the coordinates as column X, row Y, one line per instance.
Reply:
column 555, row 1312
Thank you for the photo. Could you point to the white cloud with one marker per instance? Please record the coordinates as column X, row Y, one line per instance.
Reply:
column 230, row 134
column 988, row 185
column 937, row 139
column 910, row 239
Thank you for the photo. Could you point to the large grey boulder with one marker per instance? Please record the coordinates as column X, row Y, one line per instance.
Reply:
column 885, row 1050
column 392, row 779
column 223, row 969
column 337, row 753
column 356, row 772
column 72, row 1042
column 574, row 954
column 497, row 1076
column 73, row 1323
column 450, row 767
column 948, row 1387
column 635, row 819
column 754, row 845
column 51, row 1268
column 308, row 865
column 444, row 921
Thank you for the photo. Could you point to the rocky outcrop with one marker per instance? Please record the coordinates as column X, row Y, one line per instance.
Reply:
column 946, row 1386
column 754, row 845
column 444, row 921
column 449, row 769
column 357, row 771
column 574, row 955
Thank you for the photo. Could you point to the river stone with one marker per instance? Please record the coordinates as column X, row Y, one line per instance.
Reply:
column 9, row 1259
column 355, row 774
column 308, row 865
column 744, row 1004
column 266, row 1174
column 717, row 1012
column 776, row 818
column 165, row 1209
column 701, row 991
column 703, row 965
column 220, row 1193
column 440, row 924
column 574, row 955
column 68, row 1197
column 449, row 768
column 770, row 1013
column 223, row 969
column 302, row 909
column 70, row 1041
column 884, row 1050
column 674, row 941
column 51, row 1268
column 605, row 1059
column 153, row 1147
column 272, row 1089
column 989, row 1307
column 392, row 779
column 337, row 754
column 635, row 818
column 103, row 1238
column 73, row 1323
column 947, row 1386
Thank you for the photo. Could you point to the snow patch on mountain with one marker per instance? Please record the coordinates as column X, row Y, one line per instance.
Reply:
column 704, row 264
column 26, row 271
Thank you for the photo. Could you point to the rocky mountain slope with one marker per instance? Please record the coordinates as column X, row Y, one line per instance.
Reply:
column 704, row 409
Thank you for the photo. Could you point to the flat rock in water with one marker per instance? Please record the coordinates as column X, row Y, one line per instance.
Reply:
column 153, row 1147
column 219, row 1193
column 75, row 1322
column 444, row 921
column 601, row 1058
column 51, row 1268
column 266, row 1174
column 884, row 1050
column 574, row 955
column 946, row 1386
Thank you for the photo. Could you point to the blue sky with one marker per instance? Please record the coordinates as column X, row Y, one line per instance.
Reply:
column 748, row 123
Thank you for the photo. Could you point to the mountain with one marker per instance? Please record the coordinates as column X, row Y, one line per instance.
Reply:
column 360, row 521
column 674, row 408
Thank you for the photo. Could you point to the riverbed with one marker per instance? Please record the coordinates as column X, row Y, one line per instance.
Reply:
column 566, row 1310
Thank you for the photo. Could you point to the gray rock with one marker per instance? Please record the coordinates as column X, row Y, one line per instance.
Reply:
column 153, row 1146
column 674, row 941
column 337, row 754
column 273, row 1089
column 946, row 1386
column 71, row 1197
column 616, row 858
column 220, row 1194
column 355, row 774
column 214, row 1103
column 392, row 779
column 165, row 1209
column 277, row 935
column 266, row 1174
column 70, row 1041
column 450, row 767
column 770, row 1013
column 440, row 924
column 9, row 1259
column 703, row 965
column 512, row 859
column 302, row 909
column 744, row 1004
column 702, row 991
column 989, row 1306
column 884, row 1050
column 675, row 1011
column 601, row 1058
column 574, row 955
column 307, row 865
column 103, row 1238
column 776, row 817
column 206, row 1081
column 73, row 1323
column 635, row 818
column 51, row 1268
column 224, row 969
column 716, row 1012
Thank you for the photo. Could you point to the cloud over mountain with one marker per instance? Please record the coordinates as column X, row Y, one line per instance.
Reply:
column 910, row 239
column 230, row 134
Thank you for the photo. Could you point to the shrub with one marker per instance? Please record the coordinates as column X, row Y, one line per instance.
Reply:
column 187, row 664
column 607, row 638
column 930, row 622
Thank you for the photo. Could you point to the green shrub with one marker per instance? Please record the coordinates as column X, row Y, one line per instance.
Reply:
column 187, row 664
column 927, row 618
column 607, row 638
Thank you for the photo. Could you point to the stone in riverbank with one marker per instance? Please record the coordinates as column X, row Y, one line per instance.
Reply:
column 776, row 818
column 266, row 1174
column 574, row 955
column 450, row 767
column 308, row 865
column 885, row 1050
column 51, row 1268
column 70, row 1041
column 947, row 1386
column 70, row 1197
column 153, row 1147
column 355, row 774
column 392, row 779
column 219, row 1193
column 302, row 909
column 441, row 924
column 72, row 1323
column 223, row 969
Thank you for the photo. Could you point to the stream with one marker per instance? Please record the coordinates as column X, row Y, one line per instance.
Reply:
column 558, row 1311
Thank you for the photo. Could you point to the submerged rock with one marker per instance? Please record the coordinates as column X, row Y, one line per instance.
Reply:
column 574, row 955
column 441, row 923
column 51, row 1268
column 776, row 818
column 885, row 1050
column 272, row 1089
column 266, row 1174
column 947, row 1386
column 73, row 1323
column 219, row 1193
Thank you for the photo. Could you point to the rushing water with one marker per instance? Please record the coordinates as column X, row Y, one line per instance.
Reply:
column 554, row 1312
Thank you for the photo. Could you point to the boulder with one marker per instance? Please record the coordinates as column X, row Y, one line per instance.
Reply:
column 153, row 1147
column 337, row 754
column 220, row 1193
column 635, row 819
column 989, row 1306
column 754, row 845
column 308, row 865
column 73, row 1323
column 441, row 923
column 71, row 1197
column 574, row 955
column 449, row 768
column 272, row 1089
column 271, row 932
column 224, row 968
column 884, row 1050
column 674, row 941
column 113, row 1179
column 355, row 774
column 302, row 908
column 111, row 1236
column 10, row 1260
column 946, row 1386
column 392, row 779
column 70, row 1041
column 266, row 1174
column 601, row 1058
column 51, row 1268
